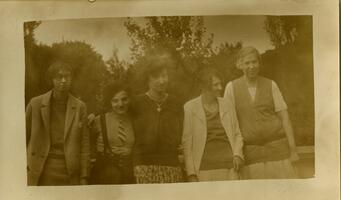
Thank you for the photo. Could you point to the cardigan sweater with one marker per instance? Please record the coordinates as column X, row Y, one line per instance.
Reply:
column 157, row 132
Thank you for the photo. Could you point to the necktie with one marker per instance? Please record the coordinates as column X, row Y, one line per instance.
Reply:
column 121, row 132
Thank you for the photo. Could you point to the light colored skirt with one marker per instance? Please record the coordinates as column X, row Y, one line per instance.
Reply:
column 282, row 169
column 157, row 174
column 218, row 175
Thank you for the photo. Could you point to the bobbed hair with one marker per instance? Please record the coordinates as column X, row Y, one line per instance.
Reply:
column 111, row 89
column 206, row 76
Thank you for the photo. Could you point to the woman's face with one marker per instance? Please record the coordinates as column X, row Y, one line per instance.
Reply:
column 215, row 88
column 250, row 65
column 62, row 81
column 120, row 102
column 159, row 82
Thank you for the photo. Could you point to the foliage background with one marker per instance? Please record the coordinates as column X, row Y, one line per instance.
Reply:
column 188, row 43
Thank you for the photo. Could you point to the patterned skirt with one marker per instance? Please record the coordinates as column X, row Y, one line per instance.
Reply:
column 157, row 174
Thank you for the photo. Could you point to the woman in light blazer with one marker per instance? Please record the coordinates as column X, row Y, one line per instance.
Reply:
column 211, row 139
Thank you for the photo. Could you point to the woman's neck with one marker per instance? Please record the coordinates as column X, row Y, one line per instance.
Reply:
column 252, row 82
column 120, row 115
column 60, row 96
column 208, row 98
column 158, row 96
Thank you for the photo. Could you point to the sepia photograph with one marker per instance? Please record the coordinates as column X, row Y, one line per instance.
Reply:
column 169, row 99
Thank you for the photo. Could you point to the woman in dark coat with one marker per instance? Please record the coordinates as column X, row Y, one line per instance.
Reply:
column 158, row 127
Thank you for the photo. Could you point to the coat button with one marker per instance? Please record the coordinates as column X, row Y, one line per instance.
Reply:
column 33, row 153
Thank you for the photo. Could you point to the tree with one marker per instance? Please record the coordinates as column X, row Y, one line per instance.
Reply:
column 224, row 60
column 88, row 65
column 289, row 30
column 182, row 38
column 290, row 64
column 116, row 68
column 36, row 61
column 29, row 28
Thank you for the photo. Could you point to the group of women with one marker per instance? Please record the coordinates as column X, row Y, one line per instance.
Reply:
column 246, row 134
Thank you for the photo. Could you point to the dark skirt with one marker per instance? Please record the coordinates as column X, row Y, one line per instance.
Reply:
column 55, row 172
column 106, row 171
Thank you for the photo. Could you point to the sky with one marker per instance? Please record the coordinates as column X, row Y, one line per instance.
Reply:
column 104, row 34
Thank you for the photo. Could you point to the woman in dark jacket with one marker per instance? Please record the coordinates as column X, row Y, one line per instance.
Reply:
column 158, row 127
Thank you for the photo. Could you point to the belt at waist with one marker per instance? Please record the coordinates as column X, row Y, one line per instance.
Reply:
column 264, row 140
column 272, row 151
column 56, row 156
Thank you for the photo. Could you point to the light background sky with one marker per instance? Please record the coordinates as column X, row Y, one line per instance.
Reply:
column 105, row 33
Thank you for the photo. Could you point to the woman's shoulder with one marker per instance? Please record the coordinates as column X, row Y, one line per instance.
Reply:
column 265, row 79
column 173, row 99
column 192, row 102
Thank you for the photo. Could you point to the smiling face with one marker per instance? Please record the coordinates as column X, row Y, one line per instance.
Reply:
column 159, row 81
column 250, row 65
column 120, row 102
column 62, row 81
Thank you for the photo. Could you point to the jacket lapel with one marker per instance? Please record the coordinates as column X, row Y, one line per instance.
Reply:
column 199, row 110
column 45, row 111
column 223, row 109
column 70, row 114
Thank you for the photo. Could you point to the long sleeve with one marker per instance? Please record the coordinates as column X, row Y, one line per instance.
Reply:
column 96, row 130
column 228, row 94
column 28, row 123
column 278, row 98
column 85, row 144
column 238, row 143
column 238, row 138
column 187, row 142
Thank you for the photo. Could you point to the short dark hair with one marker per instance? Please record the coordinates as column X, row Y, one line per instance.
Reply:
column 206, row 76
column 111, row 89
column 57, row 66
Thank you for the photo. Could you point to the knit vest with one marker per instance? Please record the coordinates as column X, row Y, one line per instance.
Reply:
column 262, row 130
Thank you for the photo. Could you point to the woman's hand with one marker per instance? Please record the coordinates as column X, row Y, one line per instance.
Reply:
column 122, row 151
column 181, row 154
column 238, row 162
column 91, row 119
column 192, row 178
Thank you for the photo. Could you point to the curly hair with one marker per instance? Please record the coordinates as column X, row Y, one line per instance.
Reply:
column 111, row 90
column 56, row 67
